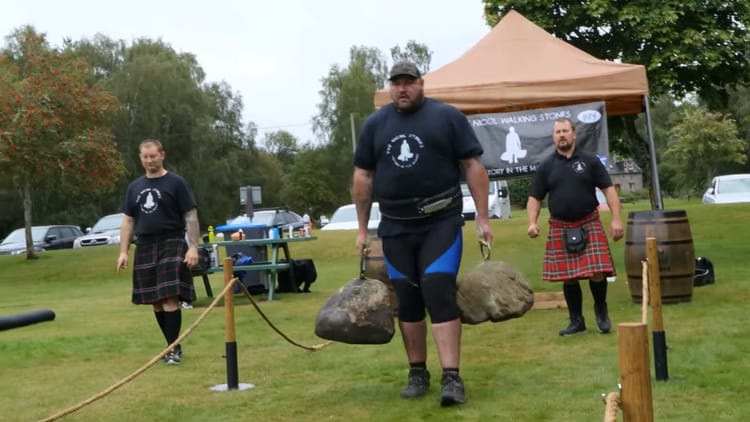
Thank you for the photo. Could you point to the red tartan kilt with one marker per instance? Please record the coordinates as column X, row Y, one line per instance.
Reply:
column 561, row 265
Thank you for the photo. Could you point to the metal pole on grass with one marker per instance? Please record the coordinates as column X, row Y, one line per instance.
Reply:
column 231, row 345
column 660, row 340
column 637, row 403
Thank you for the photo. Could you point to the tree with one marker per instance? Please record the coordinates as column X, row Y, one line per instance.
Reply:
column 702, row 142
column 414, row 52
column 55, row 129
column 282, row 145
column 692, row 46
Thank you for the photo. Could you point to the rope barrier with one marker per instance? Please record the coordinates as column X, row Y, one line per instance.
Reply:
column 279, row 332
column 143, row 368
column 612, row 404
column 169, row 348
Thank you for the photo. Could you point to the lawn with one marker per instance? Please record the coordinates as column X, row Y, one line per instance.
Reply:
column 518, row 370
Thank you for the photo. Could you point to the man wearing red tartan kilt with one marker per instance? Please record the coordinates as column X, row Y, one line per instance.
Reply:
column 577, row 245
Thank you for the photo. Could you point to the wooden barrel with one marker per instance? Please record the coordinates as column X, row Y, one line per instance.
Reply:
column 375, row 268
column 674, row 245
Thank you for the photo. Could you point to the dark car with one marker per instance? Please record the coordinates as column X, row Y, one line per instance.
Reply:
column 277, row 217
column 43, row 237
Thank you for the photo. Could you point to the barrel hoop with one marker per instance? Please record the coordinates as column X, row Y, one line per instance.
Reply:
column 663, row 242
column 657, row 222
column 657, row 214
column 662, row 276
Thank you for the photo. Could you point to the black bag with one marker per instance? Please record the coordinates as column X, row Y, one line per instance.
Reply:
column 204, row 262
column 704, row 271
column 303, row 274
column 575, row 239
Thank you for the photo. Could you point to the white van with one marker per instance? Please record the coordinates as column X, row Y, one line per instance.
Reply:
column 498, row 200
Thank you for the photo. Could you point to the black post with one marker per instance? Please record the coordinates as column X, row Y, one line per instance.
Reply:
column 232, row 373
column 660, row 356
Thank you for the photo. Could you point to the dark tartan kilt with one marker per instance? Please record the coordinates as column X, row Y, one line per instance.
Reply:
column 159, row 271
column 561, row 265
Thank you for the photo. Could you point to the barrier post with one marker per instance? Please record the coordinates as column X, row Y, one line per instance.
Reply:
column 229, row 331
column 635, row 374
column 660, row 340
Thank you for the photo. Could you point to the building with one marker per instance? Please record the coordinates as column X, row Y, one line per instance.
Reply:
column 626, row 175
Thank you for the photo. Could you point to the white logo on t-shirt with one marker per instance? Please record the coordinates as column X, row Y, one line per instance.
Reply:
column 148, row 200
column 404, row 150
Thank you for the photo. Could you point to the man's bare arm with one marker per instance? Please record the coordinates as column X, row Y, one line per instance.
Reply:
column 193, row 228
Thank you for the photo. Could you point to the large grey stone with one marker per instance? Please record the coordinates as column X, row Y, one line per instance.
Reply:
column 493, row 291
column 359, row 313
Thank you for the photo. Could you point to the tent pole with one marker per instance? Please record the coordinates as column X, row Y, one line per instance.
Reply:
column 652, row 151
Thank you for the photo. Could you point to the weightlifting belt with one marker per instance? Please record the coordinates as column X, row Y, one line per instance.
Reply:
column 419, row 208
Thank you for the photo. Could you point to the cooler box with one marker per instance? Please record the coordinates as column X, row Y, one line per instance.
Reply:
column 258, row 253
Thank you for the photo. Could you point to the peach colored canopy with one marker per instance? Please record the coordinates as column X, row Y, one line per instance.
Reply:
column 520, row 66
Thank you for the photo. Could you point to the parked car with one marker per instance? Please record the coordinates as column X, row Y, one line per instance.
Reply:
column 43, row 238
column 728, row 189
column 276, row 217
column 497, row 192
column 106, row 231
column 345, row 218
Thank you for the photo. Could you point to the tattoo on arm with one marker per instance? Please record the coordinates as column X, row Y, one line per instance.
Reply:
column 193, row 230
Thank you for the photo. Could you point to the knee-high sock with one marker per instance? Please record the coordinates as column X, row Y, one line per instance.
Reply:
column 172, row 325
column 160, row 320
column 574, row 299
column 599, row 291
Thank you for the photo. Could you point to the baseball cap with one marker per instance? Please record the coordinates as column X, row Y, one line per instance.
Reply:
column 404, row 68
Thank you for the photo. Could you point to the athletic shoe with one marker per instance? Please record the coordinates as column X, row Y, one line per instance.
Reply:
column 173, row 358
column 577, row 326
column 186, row 305
column 452, row 390
column 418, row 384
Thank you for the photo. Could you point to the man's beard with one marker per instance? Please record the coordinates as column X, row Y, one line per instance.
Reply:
column 565, row 148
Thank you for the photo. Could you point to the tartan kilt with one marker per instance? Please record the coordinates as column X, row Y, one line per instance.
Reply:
column 159, row 271
column 561, row 265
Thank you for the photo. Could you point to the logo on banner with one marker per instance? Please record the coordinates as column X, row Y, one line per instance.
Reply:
column 403, row 150
column 589, row 116
column 513, row 150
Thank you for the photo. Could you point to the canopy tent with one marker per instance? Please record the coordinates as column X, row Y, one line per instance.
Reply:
column 520, row 66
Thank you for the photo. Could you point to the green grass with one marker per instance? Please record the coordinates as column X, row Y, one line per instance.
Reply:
column 516, row 370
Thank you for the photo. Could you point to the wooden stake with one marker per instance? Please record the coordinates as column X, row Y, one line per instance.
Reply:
column 635, row 374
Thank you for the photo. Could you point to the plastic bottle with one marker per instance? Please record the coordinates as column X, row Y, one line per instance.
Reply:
column 214, row 255
column 291, row 231
column 211, row 234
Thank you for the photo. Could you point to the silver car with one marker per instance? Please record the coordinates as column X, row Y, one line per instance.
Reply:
column 106, row 231
column 728, row 189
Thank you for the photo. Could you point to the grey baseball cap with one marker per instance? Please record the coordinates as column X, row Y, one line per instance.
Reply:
column 404, row 68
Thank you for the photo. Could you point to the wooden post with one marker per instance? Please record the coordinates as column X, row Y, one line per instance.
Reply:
column 660, row 342
column 635, row 374
column 231, row 344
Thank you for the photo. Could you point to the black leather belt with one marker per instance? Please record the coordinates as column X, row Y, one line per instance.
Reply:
column 419, row 208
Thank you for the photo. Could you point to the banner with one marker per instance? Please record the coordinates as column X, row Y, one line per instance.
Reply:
column 515, row 143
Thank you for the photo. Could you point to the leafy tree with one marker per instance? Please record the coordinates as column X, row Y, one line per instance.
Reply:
column 702, row 142
column 55, row 129
column 415, row 52
column 282, row 145
column 307, row 185
column 692, row 46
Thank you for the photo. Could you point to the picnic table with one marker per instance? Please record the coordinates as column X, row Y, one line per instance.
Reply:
column 271, row 266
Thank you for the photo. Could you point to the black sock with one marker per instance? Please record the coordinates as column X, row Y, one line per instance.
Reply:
column 172, row 323
column 418, row 365
column 160, row 320
column 599, row 291
column 573, row 298
column 450, row 371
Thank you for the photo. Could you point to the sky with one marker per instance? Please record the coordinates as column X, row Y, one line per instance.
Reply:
column 273, row 53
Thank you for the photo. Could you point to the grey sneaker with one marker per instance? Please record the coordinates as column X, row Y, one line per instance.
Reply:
column 418, row 385
column 173, row 358
column 452, row 390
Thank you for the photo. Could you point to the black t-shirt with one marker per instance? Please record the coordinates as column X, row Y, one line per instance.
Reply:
column 415, row 154
column 158, row 205
column 571, row 184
